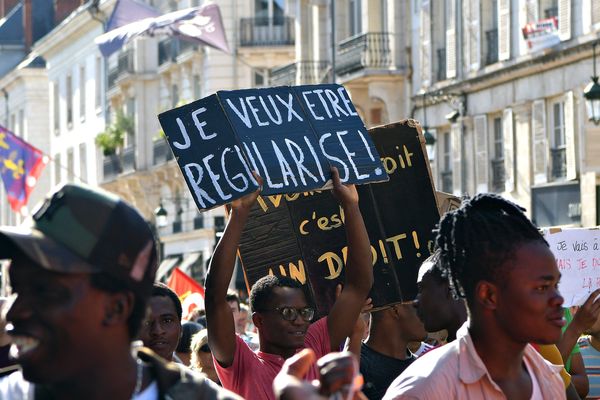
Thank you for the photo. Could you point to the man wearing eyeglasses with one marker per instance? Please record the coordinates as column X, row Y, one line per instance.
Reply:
column 281, row 311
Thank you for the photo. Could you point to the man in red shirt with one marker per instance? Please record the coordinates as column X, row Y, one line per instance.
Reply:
column 281, row 312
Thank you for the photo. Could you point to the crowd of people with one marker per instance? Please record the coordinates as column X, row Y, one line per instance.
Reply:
column 87, row 320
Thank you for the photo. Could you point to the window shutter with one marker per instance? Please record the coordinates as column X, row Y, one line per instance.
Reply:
column 451, row 39
column 481, row 154
column 474, row 36
column 425, row 35
column 503, row 30
column 595, row 12
column 564, row 19
column 540, row 142
column 456, row 159
column 570, row 136
column 532, row 10
column 509, row 150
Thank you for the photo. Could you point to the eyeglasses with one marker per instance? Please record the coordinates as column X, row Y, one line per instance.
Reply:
column 291, row 313
column 204, row 348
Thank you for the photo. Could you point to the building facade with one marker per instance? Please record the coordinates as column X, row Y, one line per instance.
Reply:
column 500, row 85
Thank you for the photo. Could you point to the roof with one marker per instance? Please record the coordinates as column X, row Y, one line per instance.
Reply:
column 11, row 26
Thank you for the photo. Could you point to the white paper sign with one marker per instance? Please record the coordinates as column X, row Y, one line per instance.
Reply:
column 577, row 253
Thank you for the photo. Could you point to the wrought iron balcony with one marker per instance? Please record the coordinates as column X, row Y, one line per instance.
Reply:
column 111, row 166
column 446, row 181
column 300, row 73
column 267, row 31
column 498, row 175
column 367, row 50
column 128, row 158
column 169, row 49
column 559, row 162
column 125, row 65
column 441, row 64
column 161, row 152
column 491, row 38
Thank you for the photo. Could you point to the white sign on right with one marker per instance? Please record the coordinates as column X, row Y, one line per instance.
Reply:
column 577, row 253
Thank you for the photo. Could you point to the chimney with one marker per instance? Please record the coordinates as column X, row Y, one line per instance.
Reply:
column 27, row 24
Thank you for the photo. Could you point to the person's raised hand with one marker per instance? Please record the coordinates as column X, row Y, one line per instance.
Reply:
column 245, row 203
column 345, row 194
column 587, row 315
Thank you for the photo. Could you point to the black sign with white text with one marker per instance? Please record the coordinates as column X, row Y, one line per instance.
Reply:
column 291, row 136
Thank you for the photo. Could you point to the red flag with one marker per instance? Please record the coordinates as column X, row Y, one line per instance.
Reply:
column 183, row 284
column 190, row 292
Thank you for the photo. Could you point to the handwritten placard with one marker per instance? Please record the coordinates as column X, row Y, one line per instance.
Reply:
column 291, row 136
column 301, row 235
column 577, row 253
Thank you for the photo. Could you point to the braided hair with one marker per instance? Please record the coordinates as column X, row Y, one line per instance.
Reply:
column 477, row 238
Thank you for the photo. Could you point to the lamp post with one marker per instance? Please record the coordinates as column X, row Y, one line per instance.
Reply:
column 429, row 138
column 161, row 216
column 592, row 93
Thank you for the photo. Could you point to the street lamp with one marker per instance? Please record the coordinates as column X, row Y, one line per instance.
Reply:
column 592, row 93
column 429, row 138
column 161, row 216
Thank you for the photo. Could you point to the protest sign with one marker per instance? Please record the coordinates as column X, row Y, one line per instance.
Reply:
column 577, row 253
column 291, row 136
column 302, row 235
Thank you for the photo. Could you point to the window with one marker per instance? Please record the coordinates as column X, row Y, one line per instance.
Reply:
column 548, row 9
column 269, row 12
column 22, row 124
column 57, row 169
column 219, row 223
column 199, row 221
column 70, row 165
column 13, row 122
column 56, row 106
column 130, row 113
column 98, row 83
column 446, row 160
column 355, row 14
column 558, row 150
column 261, row 77
column 82, row 92
column 490, row 20
column 498, row 172
column 174, row 96
column 69, row 97
column 82, row 162
column 197, row 87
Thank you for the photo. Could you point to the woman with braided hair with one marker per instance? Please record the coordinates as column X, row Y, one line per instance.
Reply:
column 500, row 264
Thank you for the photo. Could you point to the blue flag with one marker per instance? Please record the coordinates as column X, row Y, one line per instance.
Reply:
column 20, row 167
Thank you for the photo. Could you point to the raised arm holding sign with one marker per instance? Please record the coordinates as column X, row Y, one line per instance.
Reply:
column 282, row 313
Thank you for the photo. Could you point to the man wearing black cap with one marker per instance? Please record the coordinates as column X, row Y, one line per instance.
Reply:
column 81, row 273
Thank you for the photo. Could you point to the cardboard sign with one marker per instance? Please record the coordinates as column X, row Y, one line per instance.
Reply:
column 291, row 136
column 302, row 235
column 577, row 253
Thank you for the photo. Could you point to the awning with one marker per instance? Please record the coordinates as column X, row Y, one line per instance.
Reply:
column 189, row 260
column 166, row 266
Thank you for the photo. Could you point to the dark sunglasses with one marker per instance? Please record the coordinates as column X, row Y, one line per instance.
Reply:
column 290, row 313
column 204, row 348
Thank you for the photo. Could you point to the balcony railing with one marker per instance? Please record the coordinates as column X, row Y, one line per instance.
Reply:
column 441, row 64
column 169, row 49
column 267, row 31
column 498, row 175
column 111, row 166
column 446, row 181
column 161, row 152
column 125, row 65
column 491, row 38
column 300, row 73
column 367, row 50
column 559, row 162
column 128, row 157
